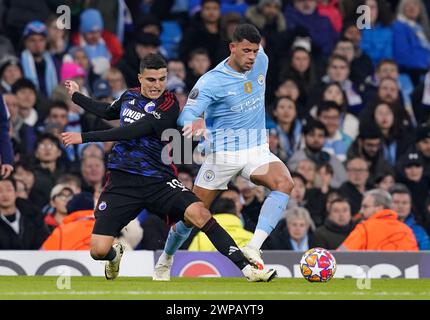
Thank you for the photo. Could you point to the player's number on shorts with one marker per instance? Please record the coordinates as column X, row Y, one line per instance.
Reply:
column 177, row 184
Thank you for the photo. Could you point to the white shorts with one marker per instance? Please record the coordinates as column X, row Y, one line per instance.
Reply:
column 220, row 167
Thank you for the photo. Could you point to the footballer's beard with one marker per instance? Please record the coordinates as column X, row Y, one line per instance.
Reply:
column 247, row 66
column 313, row 149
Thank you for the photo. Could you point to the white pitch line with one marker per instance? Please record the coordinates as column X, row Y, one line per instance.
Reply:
column 286, row 293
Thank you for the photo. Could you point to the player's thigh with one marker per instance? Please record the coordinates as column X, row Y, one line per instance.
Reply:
column 216, row 172
column 207, row 196
column 119, row 203
column 275, row 177
column 265, row 169
column 169, row 198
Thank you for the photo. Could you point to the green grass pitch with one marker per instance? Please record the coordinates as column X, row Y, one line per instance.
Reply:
column 35, row 287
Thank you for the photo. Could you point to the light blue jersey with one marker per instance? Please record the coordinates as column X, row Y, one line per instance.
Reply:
column 233, row 105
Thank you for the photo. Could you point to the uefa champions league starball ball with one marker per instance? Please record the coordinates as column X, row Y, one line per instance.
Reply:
column 318, row 265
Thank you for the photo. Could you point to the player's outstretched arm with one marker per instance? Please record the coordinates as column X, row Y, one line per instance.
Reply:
column 143, row 127
column 188, row 115
column 199, row 99
column 135, row 130
column 101, row 109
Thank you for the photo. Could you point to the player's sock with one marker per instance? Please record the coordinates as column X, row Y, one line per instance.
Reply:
column 224, row 243
column 177, row 235
column 271, row 212
column 111, row 255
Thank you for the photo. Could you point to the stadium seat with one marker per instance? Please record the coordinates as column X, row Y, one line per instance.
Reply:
column 170, row 38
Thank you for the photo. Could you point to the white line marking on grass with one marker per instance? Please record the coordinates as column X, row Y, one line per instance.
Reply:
column 285, row 293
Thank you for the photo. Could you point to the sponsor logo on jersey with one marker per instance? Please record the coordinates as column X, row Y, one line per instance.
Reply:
column 250, row 104
column 132, row 115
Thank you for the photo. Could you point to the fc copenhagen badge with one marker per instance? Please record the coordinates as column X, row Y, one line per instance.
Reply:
column 102, row 206
column 209, row 175
column 248, row 87
column 260, row 80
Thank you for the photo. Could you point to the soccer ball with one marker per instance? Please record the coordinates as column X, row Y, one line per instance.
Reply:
column 318, row 265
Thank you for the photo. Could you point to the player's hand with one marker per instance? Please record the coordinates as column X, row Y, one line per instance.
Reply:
column 71, row 87
column 197, row 128
column 70, row 138
column 6, row 170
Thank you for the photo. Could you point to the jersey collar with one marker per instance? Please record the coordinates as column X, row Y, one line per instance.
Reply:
column 229, row 70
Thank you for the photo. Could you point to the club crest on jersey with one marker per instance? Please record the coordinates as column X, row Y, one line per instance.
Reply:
column 102, row 206
column 248, row 87
column 149, row 107
column 209, row 175
column 260, row 80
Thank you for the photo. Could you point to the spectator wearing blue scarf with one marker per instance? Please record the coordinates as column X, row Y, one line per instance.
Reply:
column 37, row 63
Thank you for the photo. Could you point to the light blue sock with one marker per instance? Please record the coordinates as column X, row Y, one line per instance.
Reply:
column 272, row 211
column 176, row 237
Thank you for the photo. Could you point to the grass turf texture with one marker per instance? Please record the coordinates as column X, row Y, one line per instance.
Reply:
column 43, row 287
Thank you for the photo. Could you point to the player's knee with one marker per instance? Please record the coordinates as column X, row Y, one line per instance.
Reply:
column 197, row 214
column 284, row 184
column 98, row 251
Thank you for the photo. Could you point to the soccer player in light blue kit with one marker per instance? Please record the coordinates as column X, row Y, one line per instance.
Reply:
column 231, row 98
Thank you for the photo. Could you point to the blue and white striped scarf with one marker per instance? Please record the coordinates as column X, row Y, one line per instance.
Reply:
column 29, row 67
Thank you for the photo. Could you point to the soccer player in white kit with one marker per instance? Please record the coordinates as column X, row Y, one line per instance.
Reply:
column 231, row 98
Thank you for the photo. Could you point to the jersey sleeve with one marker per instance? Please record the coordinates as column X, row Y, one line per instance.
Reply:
column 262, row 59
column 102, row 109
column 200, row 97
column 356, row 239
column 164, row 117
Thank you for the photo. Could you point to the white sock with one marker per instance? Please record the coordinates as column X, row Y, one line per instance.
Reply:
column 258, row 239
column 164, row 257
column 245, row 270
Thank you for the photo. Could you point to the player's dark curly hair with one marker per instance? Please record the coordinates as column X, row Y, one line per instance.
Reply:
column 153, row 61
column 248, row 32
